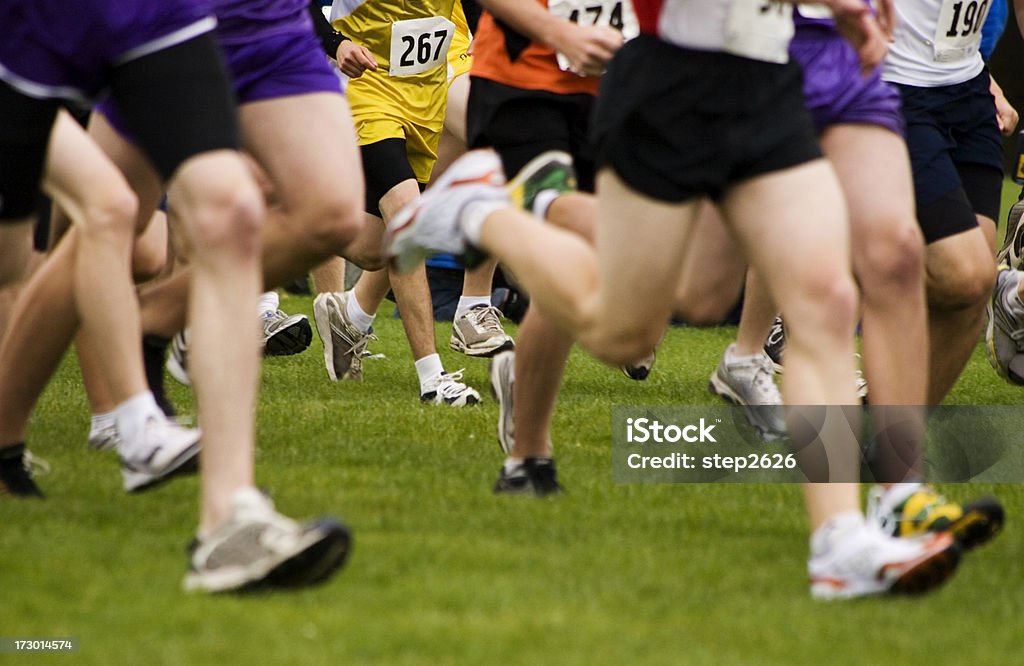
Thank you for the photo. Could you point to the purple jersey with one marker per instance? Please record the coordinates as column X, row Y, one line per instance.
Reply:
column 813, row 16
column 242, row 21
column 64, row 49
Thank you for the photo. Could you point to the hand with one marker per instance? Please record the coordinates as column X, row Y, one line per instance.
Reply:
column 588, row 47
column 354, row 59
column 1006, row 115
column 859, row 26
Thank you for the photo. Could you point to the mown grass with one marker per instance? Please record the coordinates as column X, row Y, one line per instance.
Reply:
column 445, row 572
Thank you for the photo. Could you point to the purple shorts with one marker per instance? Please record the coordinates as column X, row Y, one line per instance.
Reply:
column 835, row 91
column 280, row 66
column 65, row 50
column 276, row 66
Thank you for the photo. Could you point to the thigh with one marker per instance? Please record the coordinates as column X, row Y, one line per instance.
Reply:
column 306, row 144
column 641, row 243
column 880, row 199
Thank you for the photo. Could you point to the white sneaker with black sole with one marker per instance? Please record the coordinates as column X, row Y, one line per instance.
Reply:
column 446, row 389
column 257, row 546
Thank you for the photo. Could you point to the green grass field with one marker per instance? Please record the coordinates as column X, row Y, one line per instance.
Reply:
column 445, row 572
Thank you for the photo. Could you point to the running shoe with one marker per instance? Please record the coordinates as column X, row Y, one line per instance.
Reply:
column 162, row 450
column 532, row 476
column 284, row 334
column 503, row 381
column 478, row 332
column 550, row 171
column 925, row 510
column 344, row 343
column 1004, row 332
column 446, row 389
column 747, row 381
column 17, row 471
column 258, row 547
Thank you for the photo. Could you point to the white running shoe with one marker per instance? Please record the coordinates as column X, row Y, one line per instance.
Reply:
column 431, row 224
column 256, row 545
column 478, row 332
column 503, row 381
column 344, row 343
column 851, row 557
column 446, row 389
column 747, row 381
column 177, row 360
column 105, row 439
column 162, row 449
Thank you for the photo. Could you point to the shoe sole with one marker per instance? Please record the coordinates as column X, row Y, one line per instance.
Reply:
column 456, row 344
column 925, row 573
column 981, row 521
column 294, row 339
column 316, row 563
column 718, row 387
column 187, row 462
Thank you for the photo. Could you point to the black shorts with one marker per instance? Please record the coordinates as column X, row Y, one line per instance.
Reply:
column 24, row 134
column 956, row 155
column 676, row 123
column 521, row 124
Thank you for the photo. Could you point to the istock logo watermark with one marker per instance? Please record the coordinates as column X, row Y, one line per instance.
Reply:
column 643, row 430
column 717, row 444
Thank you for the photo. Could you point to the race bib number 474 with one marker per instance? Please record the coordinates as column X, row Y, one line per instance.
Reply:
column 419, row 45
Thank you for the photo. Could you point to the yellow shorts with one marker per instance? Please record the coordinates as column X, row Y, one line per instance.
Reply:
column 387, row 108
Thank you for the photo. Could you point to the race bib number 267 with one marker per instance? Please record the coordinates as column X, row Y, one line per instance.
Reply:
column 419, row 45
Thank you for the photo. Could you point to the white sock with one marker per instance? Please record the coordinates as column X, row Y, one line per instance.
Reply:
column 359, row 318
column 468, row 302
column 101, row 421
column 131, row 416
column 428, row 368
column 473, row 216
column 543, row 201
column 269, row 302
column 511, row 464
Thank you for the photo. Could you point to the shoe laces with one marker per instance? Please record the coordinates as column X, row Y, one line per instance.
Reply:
column 486, row 318
column 448, row 384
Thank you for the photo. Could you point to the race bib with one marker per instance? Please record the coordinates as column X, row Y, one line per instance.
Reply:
column 759, row 29
column 815, row 12
column 420, row 45
column 958, row 33
column 616, row 14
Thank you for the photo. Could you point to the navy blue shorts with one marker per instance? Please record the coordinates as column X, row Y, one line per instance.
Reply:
column 956, row 154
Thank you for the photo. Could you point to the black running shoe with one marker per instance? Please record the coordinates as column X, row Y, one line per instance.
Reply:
column 534, row 476
column 16, row 474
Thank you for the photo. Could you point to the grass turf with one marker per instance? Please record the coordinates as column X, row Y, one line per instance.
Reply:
column 444, row 572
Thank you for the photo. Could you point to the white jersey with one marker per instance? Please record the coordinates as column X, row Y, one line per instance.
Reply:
column 937, row 42
column 755, row 29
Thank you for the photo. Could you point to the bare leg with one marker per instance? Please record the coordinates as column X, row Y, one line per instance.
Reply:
column 960, row 276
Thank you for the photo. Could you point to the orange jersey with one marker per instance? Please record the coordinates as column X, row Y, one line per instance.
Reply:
column 503, row 55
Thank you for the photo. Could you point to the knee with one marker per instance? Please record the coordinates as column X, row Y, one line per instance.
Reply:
column 895, row 260
column 627, row 344
column 330, row 223
column 110, row 213
column 962, row 284
column 148, row 260
column 225, row 218
column 828, row 300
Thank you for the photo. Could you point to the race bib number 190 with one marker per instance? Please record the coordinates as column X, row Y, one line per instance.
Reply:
column 958, row 34
column 616, row 14
column 419, row 45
